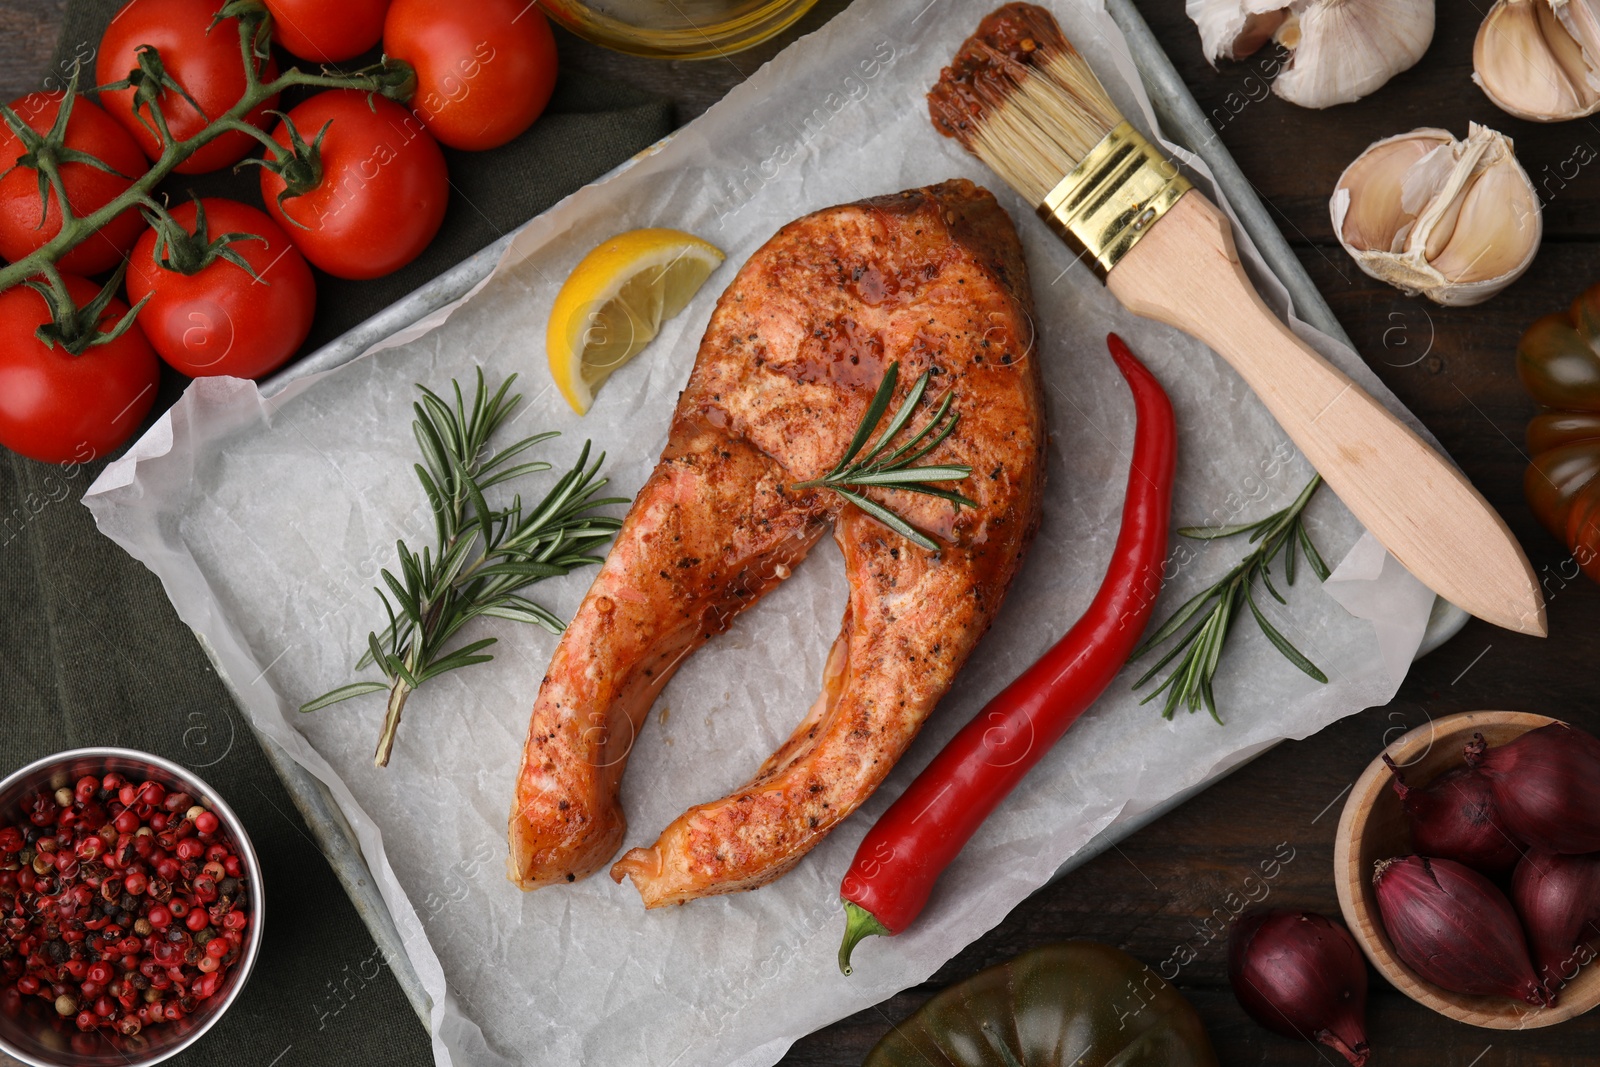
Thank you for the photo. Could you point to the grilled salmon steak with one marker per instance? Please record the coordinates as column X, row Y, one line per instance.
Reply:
column 930, row 278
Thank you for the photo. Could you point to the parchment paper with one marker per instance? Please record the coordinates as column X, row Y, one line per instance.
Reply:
column 267, row 521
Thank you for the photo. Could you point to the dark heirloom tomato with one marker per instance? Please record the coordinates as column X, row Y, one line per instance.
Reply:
column 1076, row 1002
column 1558, row 361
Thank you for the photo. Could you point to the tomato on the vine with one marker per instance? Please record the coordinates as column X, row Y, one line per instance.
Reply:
column 57, row 407
column 206, row 60
column 365, row 196
column 485, row 69
column 27, row 223
column 327, row 32
column 217, row 318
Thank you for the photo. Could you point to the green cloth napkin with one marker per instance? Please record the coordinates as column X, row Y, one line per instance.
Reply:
column 93, row 653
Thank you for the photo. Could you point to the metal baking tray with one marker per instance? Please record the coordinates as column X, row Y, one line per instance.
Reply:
column 1181, row 120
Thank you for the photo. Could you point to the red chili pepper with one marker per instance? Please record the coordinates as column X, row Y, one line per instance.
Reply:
column 902, row 856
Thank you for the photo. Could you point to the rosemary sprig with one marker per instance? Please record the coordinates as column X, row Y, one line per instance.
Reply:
column 483, row 556
column 895, row 469
column 1217, row 607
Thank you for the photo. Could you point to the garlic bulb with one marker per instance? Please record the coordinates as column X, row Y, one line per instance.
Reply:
column 1456, row 221
column 1339, row 50
column 1346, row 49
column 1540, row 59
column 1233, row 29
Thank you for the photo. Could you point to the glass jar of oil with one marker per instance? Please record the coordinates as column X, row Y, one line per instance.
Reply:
column 676, row 29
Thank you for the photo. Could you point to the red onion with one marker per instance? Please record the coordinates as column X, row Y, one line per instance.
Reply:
column 1450, row 925
column 1546, row 785
column 1455, row 817
column 1558, row 898
column 1301, row 975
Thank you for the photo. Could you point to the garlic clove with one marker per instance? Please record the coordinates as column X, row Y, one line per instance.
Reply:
column 1233, row 29
column 1581, row 20
column 1456, row 221
column 1342, row 50
column 1372, row 187
column 1495, row 233
column 1442, row 227
column 1435, row 191
column 1540, row 59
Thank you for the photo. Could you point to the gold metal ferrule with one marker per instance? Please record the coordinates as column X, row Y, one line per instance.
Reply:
column 1112, row 197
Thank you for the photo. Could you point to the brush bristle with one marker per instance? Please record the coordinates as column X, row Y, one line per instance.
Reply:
column 1020, row 98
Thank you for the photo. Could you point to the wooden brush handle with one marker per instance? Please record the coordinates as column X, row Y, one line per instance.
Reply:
column 1185, row 272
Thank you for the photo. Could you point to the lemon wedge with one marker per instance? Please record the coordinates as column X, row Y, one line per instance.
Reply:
column 614, row 302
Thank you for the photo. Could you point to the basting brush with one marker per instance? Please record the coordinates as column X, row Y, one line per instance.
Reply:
column 1020, row 98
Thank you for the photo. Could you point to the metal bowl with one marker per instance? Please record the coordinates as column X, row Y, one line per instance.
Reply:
column 30, row 1031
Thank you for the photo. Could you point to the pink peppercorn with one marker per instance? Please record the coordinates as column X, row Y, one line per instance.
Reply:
column 114, row 904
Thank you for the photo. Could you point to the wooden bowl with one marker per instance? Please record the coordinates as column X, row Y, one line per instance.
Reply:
column 1373, row 827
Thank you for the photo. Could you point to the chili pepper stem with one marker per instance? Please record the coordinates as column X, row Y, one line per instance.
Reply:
column 858, row 923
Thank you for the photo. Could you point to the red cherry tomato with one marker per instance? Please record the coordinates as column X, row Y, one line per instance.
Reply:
column 327, row 31
column 383, row 188
column 206, row 60
column 485, row 68
column 60, row 408
column 220, row 320
column 91, row 130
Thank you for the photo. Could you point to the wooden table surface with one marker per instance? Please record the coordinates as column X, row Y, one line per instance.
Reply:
column 1453, row 367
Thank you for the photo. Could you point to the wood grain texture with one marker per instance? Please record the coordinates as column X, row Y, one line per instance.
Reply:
column 28, row 30
column 1186, row 273
column 1162, row 889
